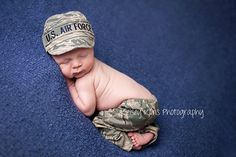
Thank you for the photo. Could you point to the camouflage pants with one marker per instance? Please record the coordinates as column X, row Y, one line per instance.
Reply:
column 132, row 115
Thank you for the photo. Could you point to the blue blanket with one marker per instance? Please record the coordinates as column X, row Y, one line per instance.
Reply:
column 182, row 51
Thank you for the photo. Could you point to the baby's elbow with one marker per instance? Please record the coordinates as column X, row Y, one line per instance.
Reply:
column 89, row 111
column 88, row 114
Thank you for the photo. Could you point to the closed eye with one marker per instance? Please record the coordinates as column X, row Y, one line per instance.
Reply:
column 83, row 54
column 64, row 61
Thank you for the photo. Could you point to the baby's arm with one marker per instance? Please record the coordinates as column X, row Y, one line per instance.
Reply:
column 83, row 95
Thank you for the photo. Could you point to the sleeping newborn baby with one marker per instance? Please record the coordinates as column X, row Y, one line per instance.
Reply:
column 126, row 109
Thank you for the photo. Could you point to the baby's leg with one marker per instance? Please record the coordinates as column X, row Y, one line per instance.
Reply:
column 139, row 139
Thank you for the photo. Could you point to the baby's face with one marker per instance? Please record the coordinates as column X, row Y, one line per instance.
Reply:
column 75, row 63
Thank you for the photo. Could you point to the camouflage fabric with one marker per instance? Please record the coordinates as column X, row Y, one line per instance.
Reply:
column 132, row 115
column 67, row 31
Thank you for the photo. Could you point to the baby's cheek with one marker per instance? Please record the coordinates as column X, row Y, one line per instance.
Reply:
column 65, row 71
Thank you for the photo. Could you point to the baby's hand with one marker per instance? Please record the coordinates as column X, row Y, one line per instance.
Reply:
column 70, row 82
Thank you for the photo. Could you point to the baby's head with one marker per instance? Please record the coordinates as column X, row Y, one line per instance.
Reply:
column 69, row 38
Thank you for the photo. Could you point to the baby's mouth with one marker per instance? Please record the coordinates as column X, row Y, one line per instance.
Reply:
column 78, row 74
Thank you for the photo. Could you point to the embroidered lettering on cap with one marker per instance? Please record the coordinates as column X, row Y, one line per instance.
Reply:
column 65, row 29
column 82, row 26
column 50, row 36
column 79, row 26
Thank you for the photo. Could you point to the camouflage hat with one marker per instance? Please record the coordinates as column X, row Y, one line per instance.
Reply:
column 67, row 31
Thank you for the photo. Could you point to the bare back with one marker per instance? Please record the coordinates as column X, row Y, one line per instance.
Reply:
column 112, row 87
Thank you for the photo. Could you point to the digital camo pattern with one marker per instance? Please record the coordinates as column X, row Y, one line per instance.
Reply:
column 132, row 115
column 67, row 31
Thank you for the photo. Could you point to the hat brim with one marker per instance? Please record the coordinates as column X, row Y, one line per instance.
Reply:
column 69, row 42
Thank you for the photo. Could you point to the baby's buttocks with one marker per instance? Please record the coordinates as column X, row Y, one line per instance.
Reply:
column 143, row 111
column 131, row 114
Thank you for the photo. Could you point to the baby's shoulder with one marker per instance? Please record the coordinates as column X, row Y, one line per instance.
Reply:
column 100, row 69
column 104, row 68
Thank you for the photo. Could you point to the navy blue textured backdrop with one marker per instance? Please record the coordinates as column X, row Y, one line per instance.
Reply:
column 182, row 51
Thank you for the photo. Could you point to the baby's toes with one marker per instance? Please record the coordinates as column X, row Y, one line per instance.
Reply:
column 136, row 144
column 133, row 141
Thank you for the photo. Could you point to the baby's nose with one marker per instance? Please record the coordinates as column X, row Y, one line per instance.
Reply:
column 76, row 64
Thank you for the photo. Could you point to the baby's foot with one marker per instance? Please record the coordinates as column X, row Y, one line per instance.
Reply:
column 139, row 140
